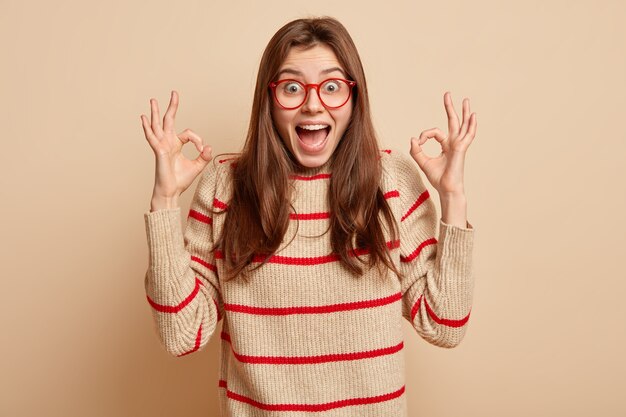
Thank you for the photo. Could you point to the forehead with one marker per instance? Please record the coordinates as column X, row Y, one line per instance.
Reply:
column 311, row 61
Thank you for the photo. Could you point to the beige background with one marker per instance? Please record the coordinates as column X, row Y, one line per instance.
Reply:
column 544, row 182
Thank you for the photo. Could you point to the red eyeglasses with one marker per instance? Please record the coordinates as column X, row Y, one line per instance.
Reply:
column 333, row 92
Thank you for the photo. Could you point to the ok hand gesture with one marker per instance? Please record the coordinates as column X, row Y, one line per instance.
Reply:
column 445, row 172
column 174, row 172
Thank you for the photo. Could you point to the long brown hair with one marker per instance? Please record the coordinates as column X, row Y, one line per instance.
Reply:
column 258, row 214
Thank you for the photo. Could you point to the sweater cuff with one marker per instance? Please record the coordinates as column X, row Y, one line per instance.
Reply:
column 458, row 239
column 468, row 226
column 165, row 236
column 455, row 246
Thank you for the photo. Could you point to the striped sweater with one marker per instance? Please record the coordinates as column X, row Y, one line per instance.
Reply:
column 303, row 337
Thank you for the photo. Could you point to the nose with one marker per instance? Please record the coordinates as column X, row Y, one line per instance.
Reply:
column 312, row 103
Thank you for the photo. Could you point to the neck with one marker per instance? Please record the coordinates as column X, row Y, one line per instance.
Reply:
column 322, row 169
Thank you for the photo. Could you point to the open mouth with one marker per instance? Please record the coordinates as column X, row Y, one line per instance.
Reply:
column 313, row 138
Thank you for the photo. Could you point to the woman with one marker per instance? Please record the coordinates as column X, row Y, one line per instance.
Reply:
column 312, row 243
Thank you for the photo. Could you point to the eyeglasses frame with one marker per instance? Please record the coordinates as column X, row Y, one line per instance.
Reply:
column 307, row 88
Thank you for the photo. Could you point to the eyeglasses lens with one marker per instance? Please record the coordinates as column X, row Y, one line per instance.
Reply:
column 333, row 93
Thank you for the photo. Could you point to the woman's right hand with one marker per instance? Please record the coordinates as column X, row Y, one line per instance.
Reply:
column 174, row 172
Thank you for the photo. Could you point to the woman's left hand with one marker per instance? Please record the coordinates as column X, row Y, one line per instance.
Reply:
column 445, row 172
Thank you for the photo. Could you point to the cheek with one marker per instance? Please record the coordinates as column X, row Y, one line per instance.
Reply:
column 282, row 123
column 343, row 118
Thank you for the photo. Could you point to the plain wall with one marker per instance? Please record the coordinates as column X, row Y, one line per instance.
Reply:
column 544, row 181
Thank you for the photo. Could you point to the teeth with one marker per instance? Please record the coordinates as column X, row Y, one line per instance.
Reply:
column 313, row 127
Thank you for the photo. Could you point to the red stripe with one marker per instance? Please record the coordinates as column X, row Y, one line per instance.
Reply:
column 220, row 204
column 310, row 178
column 200, row 217
column 326, row 215
column 392, row 194
column 305, row 216
column 417, row 251
column 309, row 216
column 308, row 261
column 197, row 346
column 175, row 309
column 204, row 263
column 331, row 308
column 416, row 307
column 386, row 150
column 312, row 407
column 393, row 245
column 214, row 269
column 221, row 161
column 302, row 261
column 431, row 313
column 301, row 360
column 422, row 197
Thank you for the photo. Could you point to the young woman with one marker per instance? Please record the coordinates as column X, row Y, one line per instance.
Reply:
column 312, row 244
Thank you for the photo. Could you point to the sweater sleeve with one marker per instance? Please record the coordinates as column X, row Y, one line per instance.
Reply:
column 437, row 283
column 181, row 282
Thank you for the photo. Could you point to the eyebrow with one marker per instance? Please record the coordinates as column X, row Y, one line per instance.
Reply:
column 296, row 72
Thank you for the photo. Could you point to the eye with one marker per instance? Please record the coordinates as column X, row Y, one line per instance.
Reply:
column 331, row 86
column 292, row 88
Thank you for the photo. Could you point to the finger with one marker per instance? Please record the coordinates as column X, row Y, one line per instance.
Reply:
column 418, row 153
column 434, row 133
column 188, row 135
column 170, row 114
column 156, row 122
column 204, row 158
column 466, row 113
column 471, row 132
column 453, row 119
column 147, row 130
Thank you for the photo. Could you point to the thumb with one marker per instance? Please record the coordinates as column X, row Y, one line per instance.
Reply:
column 418, row 153
column 204, row 158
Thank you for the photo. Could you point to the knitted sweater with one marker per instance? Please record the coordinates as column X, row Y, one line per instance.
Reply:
column 303, row 337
